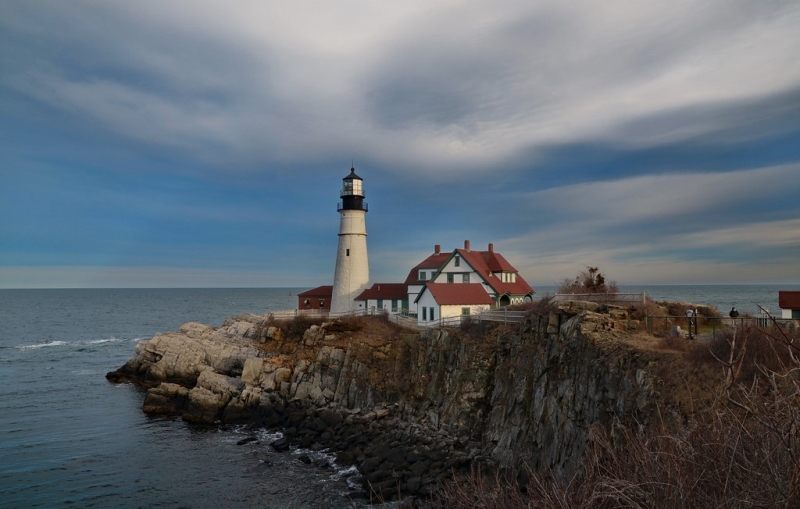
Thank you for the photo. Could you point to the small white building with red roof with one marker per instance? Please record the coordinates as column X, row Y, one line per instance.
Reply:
column 389, row 297
column 789, row 302
column 443, row 300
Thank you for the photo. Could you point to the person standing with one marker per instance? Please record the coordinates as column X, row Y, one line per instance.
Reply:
column 733, row 314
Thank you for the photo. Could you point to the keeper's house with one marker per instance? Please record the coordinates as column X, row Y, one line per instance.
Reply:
column 449, row 284
column 789, row 302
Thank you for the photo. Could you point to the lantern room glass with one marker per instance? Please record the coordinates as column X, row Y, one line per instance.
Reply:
column 352, row 188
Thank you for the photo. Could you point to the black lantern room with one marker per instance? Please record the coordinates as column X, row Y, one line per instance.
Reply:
column 352, row 193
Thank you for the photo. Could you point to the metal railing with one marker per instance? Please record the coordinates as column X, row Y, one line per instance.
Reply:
column 699, row 325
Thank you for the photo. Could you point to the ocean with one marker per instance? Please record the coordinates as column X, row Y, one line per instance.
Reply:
column 69, row 438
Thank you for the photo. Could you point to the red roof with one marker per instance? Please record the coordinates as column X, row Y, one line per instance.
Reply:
column 320, row 291
column 385, row 291
column 458, row 293
column 433, row 262
column 484, row 263
column 788, row 300
column 487, row 262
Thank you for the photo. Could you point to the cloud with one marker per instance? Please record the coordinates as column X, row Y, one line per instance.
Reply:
column 451, row 87
column 646, row 135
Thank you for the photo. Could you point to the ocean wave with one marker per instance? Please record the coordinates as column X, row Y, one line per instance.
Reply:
column 100, row 341
column 78, row 343
column 42, row 345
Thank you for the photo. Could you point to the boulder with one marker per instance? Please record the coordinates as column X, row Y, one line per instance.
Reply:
column 252, row 370
column 204, row 406
column 166, row 398
column 678, row 332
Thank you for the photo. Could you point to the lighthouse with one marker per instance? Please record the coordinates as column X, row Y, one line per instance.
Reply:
column 351, row 276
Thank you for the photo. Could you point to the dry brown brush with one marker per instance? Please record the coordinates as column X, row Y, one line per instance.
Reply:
column 742, row 450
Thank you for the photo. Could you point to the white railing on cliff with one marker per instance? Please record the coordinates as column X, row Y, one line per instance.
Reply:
column 495, row 315
column 289, row 314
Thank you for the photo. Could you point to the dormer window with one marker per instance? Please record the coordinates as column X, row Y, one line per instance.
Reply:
column 423, row 275
column 457, row 261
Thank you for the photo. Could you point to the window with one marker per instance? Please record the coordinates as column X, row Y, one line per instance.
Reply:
column 423, row 275
column 424, row 314
column 322, row 303
column 347, row 253
column 431, row 313
column 457, row 261
column 465, row 277
column 465, row 311
column 307, row 303
column 450, row 277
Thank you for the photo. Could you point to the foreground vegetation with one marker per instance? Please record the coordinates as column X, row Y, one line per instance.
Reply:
column 739, row 448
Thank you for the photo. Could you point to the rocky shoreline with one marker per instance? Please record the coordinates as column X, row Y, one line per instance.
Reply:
column 408, row 409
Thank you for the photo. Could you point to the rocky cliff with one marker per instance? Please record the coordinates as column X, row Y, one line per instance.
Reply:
column 410, row 408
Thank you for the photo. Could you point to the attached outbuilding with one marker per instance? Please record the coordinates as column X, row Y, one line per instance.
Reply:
column 789, row 302
column 388, row 297
column 440, row 301
column 316, row 299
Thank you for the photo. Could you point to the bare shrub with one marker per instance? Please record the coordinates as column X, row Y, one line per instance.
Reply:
column 502, row 491
column 293, row 330
column 544, row 307
column 675, row 343
column 350, row 323
column 590, row 280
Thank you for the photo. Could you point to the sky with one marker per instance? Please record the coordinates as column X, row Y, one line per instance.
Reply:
column 202, row 143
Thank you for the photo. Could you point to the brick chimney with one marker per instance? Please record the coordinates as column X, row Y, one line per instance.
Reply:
column 466, row 245
column 491, row 247
column 437, row 249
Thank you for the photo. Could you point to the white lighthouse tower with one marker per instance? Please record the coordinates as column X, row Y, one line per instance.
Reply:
column 352, row 266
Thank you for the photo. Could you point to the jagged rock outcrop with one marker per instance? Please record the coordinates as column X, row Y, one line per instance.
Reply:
column 410, row 411
column 180, row 357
